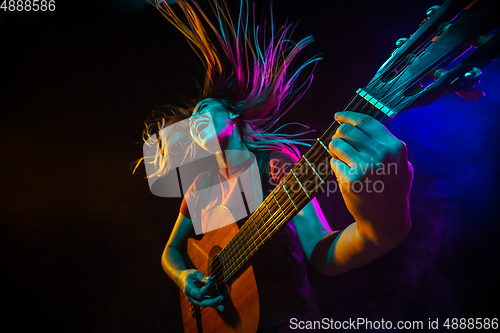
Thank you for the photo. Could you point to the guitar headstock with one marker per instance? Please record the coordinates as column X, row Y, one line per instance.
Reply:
column 447, row 53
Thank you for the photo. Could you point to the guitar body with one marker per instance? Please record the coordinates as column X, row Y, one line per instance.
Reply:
column 261, row 295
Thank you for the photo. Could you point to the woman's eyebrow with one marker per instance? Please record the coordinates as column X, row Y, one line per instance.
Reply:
column 200, row 108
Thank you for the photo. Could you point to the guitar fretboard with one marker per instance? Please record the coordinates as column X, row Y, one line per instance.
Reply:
column 293, row 193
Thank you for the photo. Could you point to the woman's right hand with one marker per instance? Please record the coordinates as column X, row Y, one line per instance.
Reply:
column 199, row 289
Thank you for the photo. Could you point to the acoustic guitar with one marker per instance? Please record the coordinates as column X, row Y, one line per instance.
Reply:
column 446, row 54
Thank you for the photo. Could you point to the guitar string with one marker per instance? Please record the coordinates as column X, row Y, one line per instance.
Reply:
column 290, row 206
column 378, row 77
column 398, row 92
column 279, row 219
column 288, row 209
column 265, row 223
column 267, row 220
column 261, row 225
column 230, row 269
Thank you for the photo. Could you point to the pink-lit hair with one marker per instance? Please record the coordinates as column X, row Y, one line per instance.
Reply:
column 248, row 68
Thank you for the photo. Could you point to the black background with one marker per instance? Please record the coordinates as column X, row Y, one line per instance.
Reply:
column 82, row 236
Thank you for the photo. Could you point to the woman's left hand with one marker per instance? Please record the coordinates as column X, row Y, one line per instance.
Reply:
column 374, row 176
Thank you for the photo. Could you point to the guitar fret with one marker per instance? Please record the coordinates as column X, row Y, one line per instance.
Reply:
column 249, row 244
column 237, row 254
column 313, row 169
column 260, row 236
column 271, row 214
column 243, row 248
column 289, row 196
column 234, row 261
column 282, row 212
column 222, row 261
column 241, row 242
column 303, row 188
column 323, row 145
column 263, row 222
column 232, row 258
column 252, row 236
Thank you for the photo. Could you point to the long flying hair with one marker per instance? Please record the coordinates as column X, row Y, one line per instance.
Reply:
column 248, row 69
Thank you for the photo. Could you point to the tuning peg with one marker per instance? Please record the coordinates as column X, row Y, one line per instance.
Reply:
column 431, row 11
column 473, row 73
column 401, row 41
column 471, row 92
column 467, row 89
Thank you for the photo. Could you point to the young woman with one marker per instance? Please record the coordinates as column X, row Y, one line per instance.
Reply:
column 248, row 87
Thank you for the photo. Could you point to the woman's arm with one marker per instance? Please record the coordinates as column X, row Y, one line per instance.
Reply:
column 375, row 178
column 193, row 283
column 333, row 253
column 172, row 259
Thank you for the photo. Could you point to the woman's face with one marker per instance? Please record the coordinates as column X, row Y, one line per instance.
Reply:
column 212, row 125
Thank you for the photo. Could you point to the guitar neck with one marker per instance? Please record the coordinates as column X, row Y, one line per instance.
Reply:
column 293, row 193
